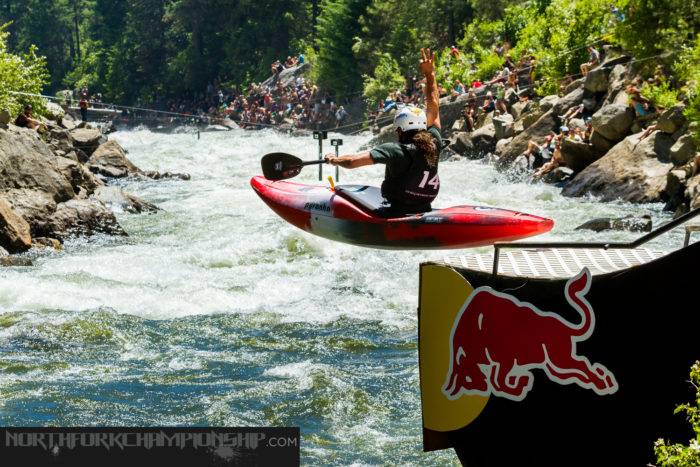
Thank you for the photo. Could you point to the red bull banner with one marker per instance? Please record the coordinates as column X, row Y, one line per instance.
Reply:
column 581, row 371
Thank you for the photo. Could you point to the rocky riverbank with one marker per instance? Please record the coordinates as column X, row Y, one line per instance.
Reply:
column 616, row 164
column 56, row 185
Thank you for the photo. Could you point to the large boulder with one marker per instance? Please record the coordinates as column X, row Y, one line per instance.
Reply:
column 33, row 205
column 81, row 179
column 683, row 150
column 68, row 122
column 537, row 132
column 15, row 235
column 385, row 135
column 693, row 192
column 463, row 144
column 675, row 189
column 572, row 99
column 574, row 85
column 547, row 102
column 613, row 122
column 118, row 200
column 601, row 143
column 529, row 118
column 26, row 162
column 287, row 76
column 558, row 175
column 87, row 139
column 633, row 170
column 484, row 139
column 578, row 155
column 504, row 126
column 81, row 217
column 597, row 80
column 501, row 145
column 616, row 84
column 5, row 117
column 110, row 160
column 672, row 119
column 54, row 112
column 519, row 108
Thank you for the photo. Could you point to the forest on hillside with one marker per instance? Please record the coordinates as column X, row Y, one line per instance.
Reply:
column 148, row 50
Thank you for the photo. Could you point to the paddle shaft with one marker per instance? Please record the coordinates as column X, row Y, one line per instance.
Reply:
column 320, row 161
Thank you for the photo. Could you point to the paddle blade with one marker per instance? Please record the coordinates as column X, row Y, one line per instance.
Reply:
column 280, row 166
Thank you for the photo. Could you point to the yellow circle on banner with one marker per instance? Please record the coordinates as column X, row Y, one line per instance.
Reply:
column 443, row 293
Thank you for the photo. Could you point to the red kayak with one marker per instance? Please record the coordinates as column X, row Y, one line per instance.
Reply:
column 356, row 214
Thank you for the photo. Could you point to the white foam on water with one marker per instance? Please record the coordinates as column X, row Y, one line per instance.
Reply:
column 217, row 248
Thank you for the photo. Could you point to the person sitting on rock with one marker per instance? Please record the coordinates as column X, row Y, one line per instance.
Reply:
column 640, row 104
column 593, row 60
column 573, row 112
column 489, row 104
column 457, row 89
column 557, row 159
column 83, row 105
column 537, row 154
column 26, row 120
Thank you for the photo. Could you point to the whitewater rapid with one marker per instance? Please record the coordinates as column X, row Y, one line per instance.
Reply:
column 216, row 312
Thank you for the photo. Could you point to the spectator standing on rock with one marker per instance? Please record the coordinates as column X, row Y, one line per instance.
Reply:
column 83, row 108
column 593, row 60
column 340, row 116
column 470, row 111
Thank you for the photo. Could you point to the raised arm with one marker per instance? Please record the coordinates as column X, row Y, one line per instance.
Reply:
column 432, row 94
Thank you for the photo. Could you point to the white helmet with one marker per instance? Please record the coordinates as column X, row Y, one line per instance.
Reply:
column 410, row 118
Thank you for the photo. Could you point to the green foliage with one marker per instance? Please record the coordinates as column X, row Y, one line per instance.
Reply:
column 560, row 37
column 20, row 73
column 687, row 69
column 661, row 95
column 678, row 455
column 387, row 79
column 336, row 67
column 656, row 27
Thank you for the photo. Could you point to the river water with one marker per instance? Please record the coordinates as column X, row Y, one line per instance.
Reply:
column 216, row 312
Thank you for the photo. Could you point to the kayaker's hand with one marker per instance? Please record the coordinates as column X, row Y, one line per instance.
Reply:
column 331, row 159
column 427, row 62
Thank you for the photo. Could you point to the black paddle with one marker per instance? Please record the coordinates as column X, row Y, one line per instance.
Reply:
column 281, row 166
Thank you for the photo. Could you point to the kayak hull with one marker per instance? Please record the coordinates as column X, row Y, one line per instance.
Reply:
column 323, row 212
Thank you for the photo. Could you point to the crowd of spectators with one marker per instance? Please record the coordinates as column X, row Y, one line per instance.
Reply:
column 291, row 101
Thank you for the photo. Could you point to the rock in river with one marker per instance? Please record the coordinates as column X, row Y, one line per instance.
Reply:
column 629, row 223
column 633, row 170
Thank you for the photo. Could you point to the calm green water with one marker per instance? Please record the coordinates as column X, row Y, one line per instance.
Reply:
column 216, row 312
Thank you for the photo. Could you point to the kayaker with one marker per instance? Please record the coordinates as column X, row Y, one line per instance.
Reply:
column 411, row 179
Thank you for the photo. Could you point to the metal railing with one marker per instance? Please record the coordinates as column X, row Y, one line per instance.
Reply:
column 605, row 246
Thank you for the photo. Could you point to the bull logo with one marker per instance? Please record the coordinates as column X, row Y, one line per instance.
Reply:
column 497, row 341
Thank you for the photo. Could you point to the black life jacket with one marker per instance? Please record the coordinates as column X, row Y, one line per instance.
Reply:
column 412, row 190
